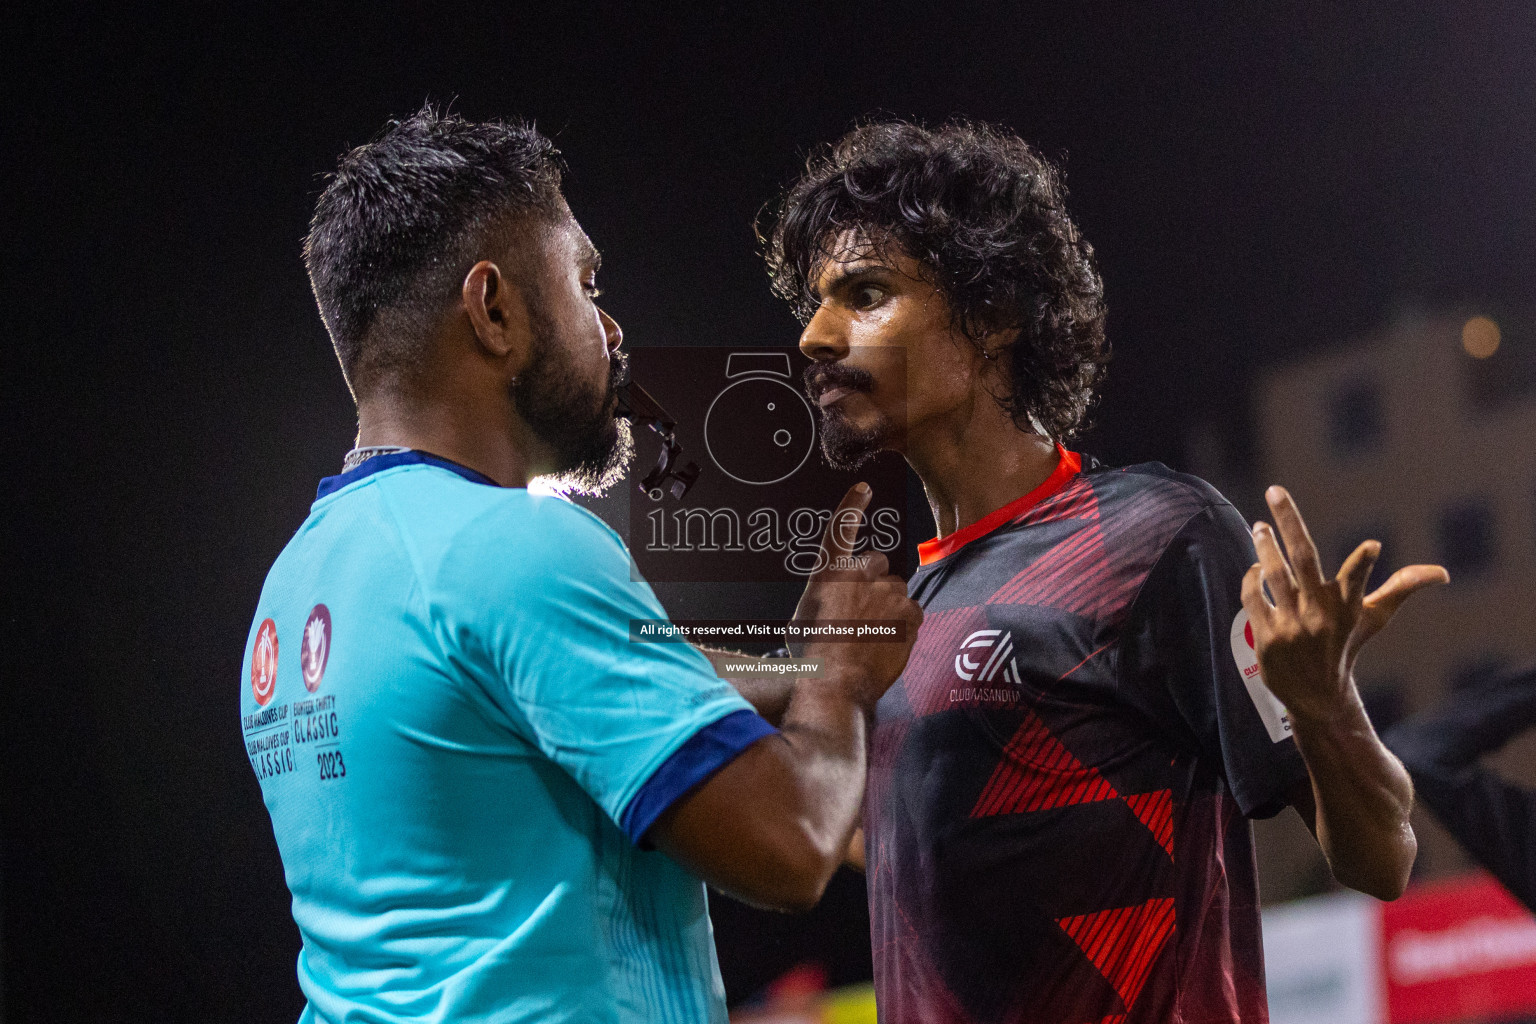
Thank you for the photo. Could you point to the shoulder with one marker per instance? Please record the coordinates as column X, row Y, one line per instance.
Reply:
column 1151, row 491
column 1156, row 524
column 1195, row 542
column 539, row 534
column 461, row 531
column 1142, row 508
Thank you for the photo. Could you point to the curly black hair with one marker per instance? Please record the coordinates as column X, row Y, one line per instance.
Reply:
column 984, row 214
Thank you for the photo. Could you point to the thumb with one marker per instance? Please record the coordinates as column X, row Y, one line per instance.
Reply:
column 1383, row 602
column 1407, row 581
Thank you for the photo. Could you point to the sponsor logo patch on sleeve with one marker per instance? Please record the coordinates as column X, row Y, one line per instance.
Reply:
column 1276, row 721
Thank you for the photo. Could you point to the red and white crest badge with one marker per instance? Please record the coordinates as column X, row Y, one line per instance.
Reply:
column 1277, row 721
column 264, row 663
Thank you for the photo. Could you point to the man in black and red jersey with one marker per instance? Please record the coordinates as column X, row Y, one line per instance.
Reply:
column 1101, row 695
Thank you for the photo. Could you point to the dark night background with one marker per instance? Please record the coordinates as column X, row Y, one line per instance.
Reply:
column 1258, row 179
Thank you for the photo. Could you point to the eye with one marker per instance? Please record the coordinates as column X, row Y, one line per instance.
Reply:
column 867, row 296
column 592, row 290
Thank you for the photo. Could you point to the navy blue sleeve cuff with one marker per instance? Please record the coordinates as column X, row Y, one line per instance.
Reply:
column 705, row 752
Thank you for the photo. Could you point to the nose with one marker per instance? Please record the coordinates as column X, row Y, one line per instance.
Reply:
column 824, row 339
column 611, row 330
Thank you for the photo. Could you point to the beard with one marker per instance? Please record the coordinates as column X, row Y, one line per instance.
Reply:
column 593, row 448
column 844, row 445
column 847, row 447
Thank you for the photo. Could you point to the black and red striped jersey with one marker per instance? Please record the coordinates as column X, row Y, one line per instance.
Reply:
column 1056, row 823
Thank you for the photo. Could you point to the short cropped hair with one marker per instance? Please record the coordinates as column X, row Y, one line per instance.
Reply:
column 403, row 219
column 984, row 215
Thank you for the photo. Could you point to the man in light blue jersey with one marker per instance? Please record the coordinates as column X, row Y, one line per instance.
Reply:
column 490, row 804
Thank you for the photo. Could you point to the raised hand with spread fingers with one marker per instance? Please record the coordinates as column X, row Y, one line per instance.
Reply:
column 1307, row 632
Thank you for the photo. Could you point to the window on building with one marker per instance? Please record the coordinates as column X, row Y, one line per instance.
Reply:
column 1475, row 671
column 1355, row 420
column 1345, row 546
column 1466, row 535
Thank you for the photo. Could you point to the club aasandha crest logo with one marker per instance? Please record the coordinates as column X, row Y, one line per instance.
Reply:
column 316, row 649
column 986, row 656
column 264, row 663
column 1277, row 721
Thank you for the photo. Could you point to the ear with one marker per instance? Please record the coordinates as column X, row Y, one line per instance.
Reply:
column 995, row 365
column 997, row 346
column 498, row 315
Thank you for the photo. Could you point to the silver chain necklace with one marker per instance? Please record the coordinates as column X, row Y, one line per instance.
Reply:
column 357, row 456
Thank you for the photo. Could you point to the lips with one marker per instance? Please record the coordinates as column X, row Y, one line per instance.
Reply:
column 826, row 385
column 831, row 395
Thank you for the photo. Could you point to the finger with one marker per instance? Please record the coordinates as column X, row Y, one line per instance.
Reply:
column 876, row 566
column 843, row 528
column 1299, row 548
column 1403, row 584
column 1272, row 564
column 1383, row 603
column 1254, row 601
column 1356, row 571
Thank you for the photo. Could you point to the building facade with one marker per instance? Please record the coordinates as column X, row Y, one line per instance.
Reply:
column 1407, row 438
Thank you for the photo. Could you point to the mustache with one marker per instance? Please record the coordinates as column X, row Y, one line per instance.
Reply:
column 618, row 375
column 822, row 377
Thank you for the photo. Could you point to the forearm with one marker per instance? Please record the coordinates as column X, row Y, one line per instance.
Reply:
column 791, row 800
column 828, row 732
column 768, row 692
column 1362, row 797
column 773, row 824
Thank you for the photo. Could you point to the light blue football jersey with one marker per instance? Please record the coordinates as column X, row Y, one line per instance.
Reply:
column 460, row 749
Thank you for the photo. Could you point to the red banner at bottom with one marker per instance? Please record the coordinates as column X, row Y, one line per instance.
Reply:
column 1458, row 950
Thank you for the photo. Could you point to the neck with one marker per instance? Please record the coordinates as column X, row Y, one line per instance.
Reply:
column 975, row 462
column 450, row 430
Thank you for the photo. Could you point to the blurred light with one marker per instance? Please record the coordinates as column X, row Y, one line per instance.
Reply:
column 1480, row 337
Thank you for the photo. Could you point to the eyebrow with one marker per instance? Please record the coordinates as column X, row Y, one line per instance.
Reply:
column 844, row 273
column 590, row 256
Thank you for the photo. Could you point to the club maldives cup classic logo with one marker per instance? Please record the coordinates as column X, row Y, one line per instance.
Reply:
column 1277, row 721
column 316, row 648
column 264, row 663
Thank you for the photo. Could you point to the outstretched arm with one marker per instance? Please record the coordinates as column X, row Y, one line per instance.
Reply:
column 1476, row 721
column 773, row 824
column 1359, row 796
column 1493, row 819
column 767, row 690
